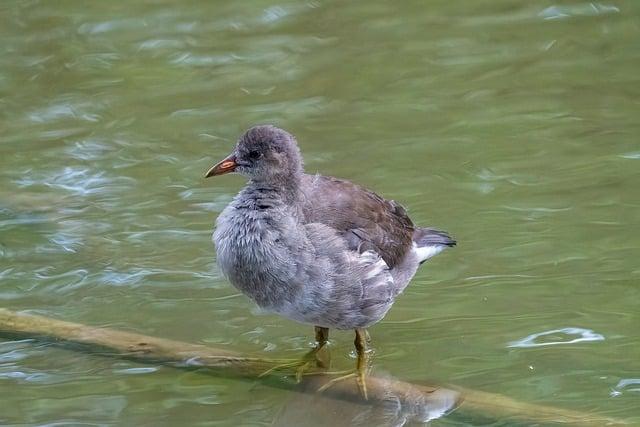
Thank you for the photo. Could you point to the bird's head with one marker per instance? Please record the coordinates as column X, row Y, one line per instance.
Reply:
column 264, row 153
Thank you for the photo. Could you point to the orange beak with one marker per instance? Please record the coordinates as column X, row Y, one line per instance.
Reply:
column 226, row 165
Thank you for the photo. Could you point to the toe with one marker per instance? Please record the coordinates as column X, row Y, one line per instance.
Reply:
column 362, row 385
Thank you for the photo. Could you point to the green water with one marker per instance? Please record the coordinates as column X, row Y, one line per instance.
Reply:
column 513, row 125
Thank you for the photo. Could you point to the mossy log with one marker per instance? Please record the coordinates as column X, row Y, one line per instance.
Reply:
column 416, row 401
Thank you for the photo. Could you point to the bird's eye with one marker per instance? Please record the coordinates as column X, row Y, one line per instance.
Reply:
column 254, row 155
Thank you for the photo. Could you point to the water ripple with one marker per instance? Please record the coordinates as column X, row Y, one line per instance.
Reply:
column 191, row 59
column 88, row 150
column 625, row 385
column 584, row 335
column 23, row 376
column 631, row 156
column 136, row 371
column 63, row 111
column 63, row 282
column 584, row 9
column 110, row 26
column 67, row 242
column 122, row 278
column 79, row 181
column 274, row 13
column 159, row 44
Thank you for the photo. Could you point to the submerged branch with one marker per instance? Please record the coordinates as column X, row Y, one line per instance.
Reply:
column 418, row 402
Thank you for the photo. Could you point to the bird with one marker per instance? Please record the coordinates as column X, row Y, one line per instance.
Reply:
column 315, row 249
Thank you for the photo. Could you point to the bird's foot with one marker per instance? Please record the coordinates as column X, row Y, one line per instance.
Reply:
column 360, row 377
column 314, row 358
column 299, row 365
column 362, row 366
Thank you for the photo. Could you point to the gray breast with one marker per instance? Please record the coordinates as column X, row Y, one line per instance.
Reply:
column 303, row 272
column 257, row 256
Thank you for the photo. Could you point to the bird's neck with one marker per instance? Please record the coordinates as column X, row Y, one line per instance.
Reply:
column 286, row 190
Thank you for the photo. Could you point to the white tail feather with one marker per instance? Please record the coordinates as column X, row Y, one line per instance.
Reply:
column 425, row 252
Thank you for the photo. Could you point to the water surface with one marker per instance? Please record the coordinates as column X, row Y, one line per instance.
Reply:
column 513, row 125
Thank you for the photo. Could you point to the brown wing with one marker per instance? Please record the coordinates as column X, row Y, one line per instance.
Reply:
column 366, row 220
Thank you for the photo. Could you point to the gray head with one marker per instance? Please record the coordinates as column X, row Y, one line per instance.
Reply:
column 264, row 153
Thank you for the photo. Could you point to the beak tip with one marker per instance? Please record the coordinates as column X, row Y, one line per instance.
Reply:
column 225, row 166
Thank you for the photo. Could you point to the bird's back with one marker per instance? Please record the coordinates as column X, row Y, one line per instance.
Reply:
column 368, row 222
column 363, row 218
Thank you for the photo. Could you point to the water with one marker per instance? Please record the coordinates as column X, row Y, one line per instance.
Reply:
column 512, row 125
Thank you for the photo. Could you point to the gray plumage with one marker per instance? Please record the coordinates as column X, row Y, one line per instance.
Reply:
column 314, row 249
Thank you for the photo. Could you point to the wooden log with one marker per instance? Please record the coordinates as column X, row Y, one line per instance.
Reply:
column 133, row 346
column 419, row 402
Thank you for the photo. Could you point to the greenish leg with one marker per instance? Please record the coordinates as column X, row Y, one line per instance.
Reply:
column 362, row 364
column 314, row 356
column 322, row 338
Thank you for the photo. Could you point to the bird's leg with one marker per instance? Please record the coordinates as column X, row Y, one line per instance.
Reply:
column 362, row 364
column 311, row 357
column 367, row 337
column 322, row 338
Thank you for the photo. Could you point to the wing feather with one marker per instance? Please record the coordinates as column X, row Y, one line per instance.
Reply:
column 364, row 219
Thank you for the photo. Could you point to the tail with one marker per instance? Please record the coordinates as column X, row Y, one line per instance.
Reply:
column 428, row 242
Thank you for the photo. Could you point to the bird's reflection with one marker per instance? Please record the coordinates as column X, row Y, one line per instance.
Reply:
column 393, row 407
